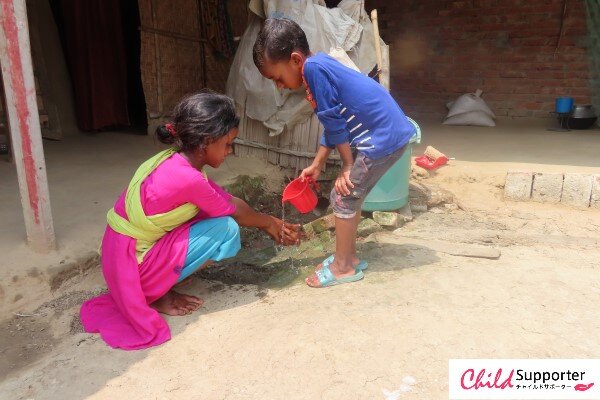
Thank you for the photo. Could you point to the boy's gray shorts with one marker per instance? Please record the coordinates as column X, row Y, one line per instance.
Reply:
column 364, row 175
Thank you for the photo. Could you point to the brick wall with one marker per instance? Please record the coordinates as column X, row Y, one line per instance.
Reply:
column 440, row 49
column 593, row 8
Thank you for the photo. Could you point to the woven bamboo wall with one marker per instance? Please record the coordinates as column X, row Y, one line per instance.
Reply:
column 171, row 53
column 293, row 149
column 217, row 66
column 176, row 55
column 217, row 70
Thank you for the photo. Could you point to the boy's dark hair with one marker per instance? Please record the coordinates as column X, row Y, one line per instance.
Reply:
column 276, row 41
column 198, row 120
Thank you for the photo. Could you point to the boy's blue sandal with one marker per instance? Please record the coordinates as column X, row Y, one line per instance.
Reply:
column 362, row 265
column 326, row 277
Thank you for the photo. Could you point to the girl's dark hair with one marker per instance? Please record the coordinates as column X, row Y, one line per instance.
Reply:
column 198, row 120
column 276, row 41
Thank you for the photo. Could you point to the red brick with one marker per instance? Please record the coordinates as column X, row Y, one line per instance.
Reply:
column 513, row 74
column 582, row 92
column 530, row 106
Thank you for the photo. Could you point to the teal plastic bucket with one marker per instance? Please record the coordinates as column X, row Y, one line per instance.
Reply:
column 391, row 191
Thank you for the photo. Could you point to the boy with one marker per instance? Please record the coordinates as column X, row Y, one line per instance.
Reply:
column 359, row 116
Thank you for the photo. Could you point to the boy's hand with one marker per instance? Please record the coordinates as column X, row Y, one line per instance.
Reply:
column 343, row 183
column 313, row 171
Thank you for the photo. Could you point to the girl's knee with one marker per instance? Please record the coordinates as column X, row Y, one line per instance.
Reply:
column 233, row 229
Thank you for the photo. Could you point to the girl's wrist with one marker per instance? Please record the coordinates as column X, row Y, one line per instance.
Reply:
column 270, row 222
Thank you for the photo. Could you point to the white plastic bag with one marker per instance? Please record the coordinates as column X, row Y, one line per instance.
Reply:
column 470, row 109
column 340, row 55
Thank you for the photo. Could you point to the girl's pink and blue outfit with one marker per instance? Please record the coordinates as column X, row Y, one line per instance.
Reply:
column 123, row 316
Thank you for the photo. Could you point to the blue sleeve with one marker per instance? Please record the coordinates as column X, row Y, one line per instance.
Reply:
column 325, row 94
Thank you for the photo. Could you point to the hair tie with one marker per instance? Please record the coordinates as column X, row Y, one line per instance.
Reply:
column 171, row 128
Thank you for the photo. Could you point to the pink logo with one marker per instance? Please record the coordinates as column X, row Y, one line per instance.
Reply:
column 582, row 388
column 468, row 380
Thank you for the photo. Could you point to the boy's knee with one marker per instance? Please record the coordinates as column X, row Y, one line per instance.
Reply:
column 333, row 196
column 343, row 206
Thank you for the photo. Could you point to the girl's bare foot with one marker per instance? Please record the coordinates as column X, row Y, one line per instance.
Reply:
column 174, row 303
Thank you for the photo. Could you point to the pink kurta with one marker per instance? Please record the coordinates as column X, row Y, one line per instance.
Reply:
column 123, row 316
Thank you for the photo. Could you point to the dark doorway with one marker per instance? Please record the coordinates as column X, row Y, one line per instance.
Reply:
column 131, row 31
column 332, row 3
column 101, row 42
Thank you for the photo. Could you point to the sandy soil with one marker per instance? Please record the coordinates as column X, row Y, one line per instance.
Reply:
column 416, row 309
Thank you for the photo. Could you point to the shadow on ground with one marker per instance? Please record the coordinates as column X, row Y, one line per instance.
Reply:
column 26, row 340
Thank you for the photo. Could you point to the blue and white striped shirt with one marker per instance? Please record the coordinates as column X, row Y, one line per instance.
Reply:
column 355, row 109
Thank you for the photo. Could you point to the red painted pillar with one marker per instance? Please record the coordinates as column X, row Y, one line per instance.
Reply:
column 23, row 118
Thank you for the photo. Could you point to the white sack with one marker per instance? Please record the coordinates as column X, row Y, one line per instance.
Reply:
column 469, row 102
column 476, row 118
column 470, row 109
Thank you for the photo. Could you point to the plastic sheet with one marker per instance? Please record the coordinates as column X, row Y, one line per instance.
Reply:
column 345, row 28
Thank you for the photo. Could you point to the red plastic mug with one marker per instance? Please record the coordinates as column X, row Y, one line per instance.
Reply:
column 301, row 195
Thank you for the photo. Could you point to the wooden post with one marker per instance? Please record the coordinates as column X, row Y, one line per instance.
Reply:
column 24, row 121
column 375, row 22
column 382, row 68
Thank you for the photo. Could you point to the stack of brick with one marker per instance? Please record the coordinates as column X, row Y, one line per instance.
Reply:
column 578, row 190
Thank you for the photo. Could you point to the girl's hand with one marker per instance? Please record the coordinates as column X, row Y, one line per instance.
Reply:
column 288, row 234
column 313, row 171
column 342, row 182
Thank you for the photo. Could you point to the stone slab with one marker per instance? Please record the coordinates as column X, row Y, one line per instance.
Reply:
column 367, row 226
column 518, row 185
column 595, row 198
column 547, row 188
column 577, row 190
column 385, row 218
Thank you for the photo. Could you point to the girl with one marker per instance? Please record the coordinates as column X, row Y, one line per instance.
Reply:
column 171, row 221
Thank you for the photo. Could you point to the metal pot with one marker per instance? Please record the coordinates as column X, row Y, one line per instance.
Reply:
column 577, row 123
column 584, row 111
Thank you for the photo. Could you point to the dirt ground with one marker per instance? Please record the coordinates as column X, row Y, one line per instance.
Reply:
column 263, row 334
